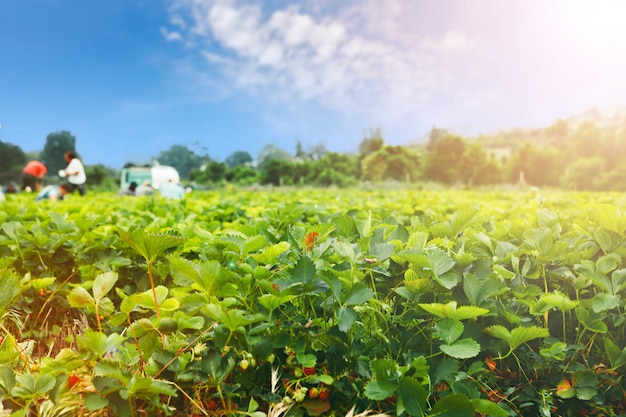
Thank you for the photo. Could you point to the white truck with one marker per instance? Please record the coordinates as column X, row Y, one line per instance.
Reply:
column 155, row 175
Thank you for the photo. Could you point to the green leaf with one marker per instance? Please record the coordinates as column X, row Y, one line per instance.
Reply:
column 103, row 284
column 608, row 217
column 453, row 405
column 374, row 391
column 345, row 226
column 385, row 371
column 382, row 251
column 499, row 331
column 446, row 370
column 95, row 401
column 421, row 367
column 449, row 329
column 450, row 310
column 304, row 271
column 149, row 245
column 559, row 300
column 441, row 261
column 480, row 290
column 80, row 298
column 521, row 335
column 591, row 320
column 253, row 244
column 413, row 396
column 272, row 302
column 488, row 408
column 461, row 349
column 9, row 287
column 358, row 294
column 271, row 253
column 603, row 302
column 307, row 360
column 345, row 318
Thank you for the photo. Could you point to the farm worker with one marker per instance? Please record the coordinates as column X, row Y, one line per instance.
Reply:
column 53, row 192
column 171, row 189
column 33, row 174
column 132, row 187
column 75, row 173
column 10, row 188
column 144, row 189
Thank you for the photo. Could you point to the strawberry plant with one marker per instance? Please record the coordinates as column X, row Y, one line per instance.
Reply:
column 288, row 302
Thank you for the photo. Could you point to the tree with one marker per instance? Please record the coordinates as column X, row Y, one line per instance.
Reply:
column 272, row 153
column 276, row 172
column 443, row 161
column 373, row 166
column 238, row 158
column 584, row 173
column 402, row 163
column 181, row 158
column 57, row 143
column 242, row 175
column 371, row 142
column 12, row 160
column 540, row 166
column 99, row 175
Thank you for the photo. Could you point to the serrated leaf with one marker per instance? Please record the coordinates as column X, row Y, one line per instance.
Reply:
column 521, row 335
column 603, row 302
column 420, row 366
column 480, row 290
column 149, row 245
column 488, row 408
column 385, row 370
column 345, row 226
column 304, row 271
column 559, row 300
column 450, row 310
column 449, row 329
column 382, row 251
column 608, row 218
column 591, row 320
column 80, row 298
column 271, row 253
column 103, row 284
column 453, row 405
column 9, row 287
column 441, row 261
column 272, row 302
column 499, row 331
column 253, row 244
column 413, row 396
column 358, row 294
column 95, row 401
column 462, row 349
column 375, row 392
column 345, row 318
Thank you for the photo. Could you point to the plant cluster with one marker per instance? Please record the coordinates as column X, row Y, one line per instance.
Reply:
column 296, row 304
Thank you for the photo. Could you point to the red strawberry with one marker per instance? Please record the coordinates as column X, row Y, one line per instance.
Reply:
column 72, row 381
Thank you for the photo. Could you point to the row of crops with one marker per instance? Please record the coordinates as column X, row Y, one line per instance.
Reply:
column 314, row 302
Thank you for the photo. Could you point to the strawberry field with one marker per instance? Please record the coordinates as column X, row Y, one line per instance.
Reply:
column 314, row 302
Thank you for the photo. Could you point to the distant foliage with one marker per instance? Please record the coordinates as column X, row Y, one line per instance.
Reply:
column 12, row 160
column 582, row 153
column 53, row 153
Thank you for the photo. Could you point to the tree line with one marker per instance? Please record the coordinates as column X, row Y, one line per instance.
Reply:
column 585, row 156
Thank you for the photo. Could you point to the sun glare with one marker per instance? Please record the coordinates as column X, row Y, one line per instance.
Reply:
column 597, row 21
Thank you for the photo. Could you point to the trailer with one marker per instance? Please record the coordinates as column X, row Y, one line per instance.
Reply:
column 154, row 176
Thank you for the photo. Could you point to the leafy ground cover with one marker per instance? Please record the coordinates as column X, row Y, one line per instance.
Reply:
column 314, row 302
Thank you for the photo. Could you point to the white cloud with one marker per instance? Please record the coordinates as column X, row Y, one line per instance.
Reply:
column 335, row 61
column 171, row 36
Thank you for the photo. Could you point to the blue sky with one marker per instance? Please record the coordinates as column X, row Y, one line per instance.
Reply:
column 130, row 78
